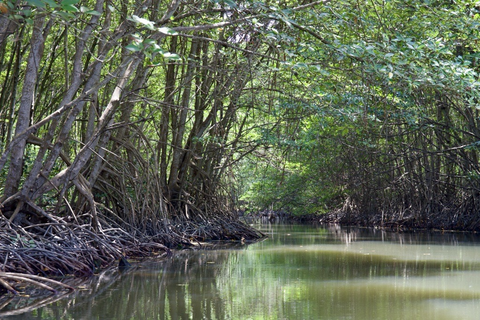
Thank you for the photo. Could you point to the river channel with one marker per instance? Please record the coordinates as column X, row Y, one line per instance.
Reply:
column 299, row 272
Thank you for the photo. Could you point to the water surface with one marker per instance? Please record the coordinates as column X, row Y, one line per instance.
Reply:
column 299, row 272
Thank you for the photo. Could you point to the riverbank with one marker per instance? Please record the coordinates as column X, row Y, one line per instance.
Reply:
column 59, row 248
column 394, row 222
column 300, row 272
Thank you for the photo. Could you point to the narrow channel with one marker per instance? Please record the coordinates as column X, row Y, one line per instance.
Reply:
column 299, row 272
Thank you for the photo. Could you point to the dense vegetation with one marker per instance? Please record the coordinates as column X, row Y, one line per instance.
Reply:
column 378, row 120
column 127, row 124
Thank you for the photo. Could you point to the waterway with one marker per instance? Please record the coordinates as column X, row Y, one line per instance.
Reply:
column 299, row 272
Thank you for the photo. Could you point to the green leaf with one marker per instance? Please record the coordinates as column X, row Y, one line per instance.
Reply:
column 69, row 2
column 36, row 3
column 158, row 50
column 70, row 8
column 231, row 3
column 89, row 11
column 65, row 15
column 167, row 31
column 149, row 42
column 133, row 47
column 147, row 23
column 51, row 3
column 136, row 37
column 26, row 12
column 172, row 56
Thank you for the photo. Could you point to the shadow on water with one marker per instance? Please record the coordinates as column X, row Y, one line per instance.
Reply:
column 300, row 272
column 181, row 287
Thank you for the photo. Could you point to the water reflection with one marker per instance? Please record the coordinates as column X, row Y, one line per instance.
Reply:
column 298, row 273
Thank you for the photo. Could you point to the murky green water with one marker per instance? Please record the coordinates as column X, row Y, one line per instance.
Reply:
column 298, row 273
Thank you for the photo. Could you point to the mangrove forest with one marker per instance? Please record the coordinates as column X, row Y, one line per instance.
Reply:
column 135, row 127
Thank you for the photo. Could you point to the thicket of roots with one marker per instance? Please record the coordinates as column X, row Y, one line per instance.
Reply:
column 60, row 248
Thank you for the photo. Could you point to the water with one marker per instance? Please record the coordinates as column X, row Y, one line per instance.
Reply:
column 299, row 272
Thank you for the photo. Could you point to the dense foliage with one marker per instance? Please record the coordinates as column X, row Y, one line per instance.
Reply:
column 379, row 116
column 133, row 109
column 149, row 112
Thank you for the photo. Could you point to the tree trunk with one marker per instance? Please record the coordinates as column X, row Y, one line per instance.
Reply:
column 27, row 103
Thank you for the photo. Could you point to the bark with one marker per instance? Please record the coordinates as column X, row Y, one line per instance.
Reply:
column 99, row 139
column 162, row 148
column 77, row 77
column 27, row 102
column 179, row 129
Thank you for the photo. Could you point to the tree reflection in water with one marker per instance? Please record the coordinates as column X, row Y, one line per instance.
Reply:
column 181, row 287
column 298, row 273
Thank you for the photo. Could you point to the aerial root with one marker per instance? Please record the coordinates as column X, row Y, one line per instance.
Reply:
column 30, row 279
column 31, row 253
